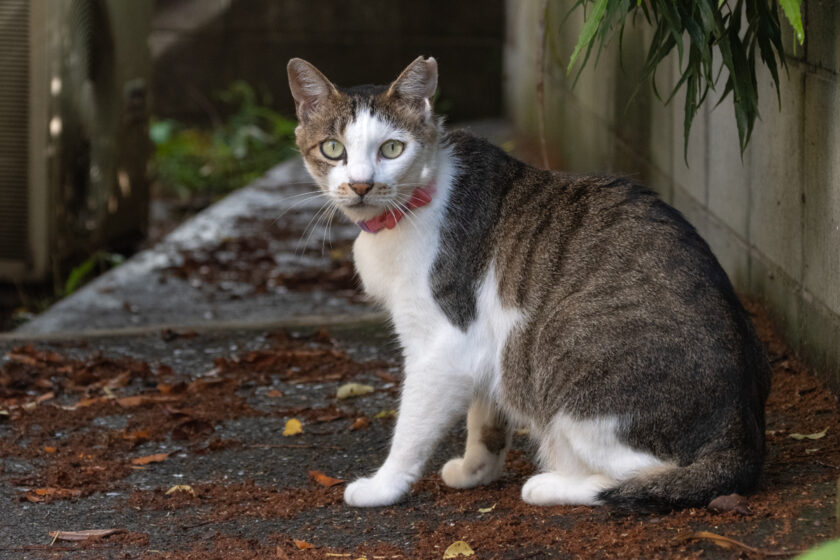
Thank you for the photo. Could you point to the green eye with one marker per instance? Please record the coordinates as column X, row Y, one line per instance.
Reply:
column 332, row 149
column 392, row 149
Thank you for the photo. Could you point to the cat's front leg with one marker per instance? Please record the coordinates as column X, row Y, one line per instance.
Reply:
column 488, row 439
column 432, row 399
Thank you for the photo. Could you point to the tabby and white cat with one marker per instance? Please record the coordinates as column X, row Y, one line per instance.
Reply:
column 582, row 307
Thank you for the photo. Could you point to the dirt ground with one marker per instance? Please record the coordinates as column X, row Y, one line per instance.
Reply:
column 175, row 441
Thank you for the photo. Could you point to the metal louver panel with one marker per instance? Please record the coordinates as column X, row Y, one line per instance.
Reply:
column 14, row 135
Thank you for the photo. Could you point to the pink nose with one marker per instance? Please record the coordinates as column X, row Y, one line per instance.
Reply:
column 361, row 189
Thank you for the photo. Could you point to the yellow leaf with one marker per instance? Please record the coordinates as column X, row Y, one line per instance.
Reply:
column 293, row 427
column 487, row 510
column 385, row 414
column 818, row 435
column 350, row 390
column 181, row 488
column 458, row 549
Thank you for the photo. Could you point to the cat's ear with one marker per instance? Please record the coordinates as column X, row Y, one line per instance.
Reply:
column 418, row 82
column 309, row 87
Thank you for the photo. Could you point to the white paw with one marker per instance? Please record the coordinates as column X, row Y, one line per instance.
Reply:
column 460, row 473
column 376, row 491
column 552, row 489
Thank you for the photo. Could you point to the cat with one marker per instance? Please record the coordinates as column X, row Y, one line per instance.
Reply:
column 581, row 307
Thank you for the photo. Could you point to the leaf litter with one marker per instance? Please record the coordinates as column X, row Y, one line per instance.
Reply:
column 795, row 484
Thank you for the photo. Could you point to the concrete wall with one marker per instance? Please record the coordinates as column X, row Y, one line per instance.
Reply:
column 772, row 218
column 201, row 46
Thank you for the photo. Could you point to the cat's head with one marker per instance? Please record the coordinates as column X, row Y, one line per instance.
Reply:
column 368, row 147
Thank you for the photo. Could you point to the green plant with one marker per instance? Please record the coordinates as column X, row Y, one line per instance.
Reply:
column 736, row 31
column 191, row 160
column 95, row 265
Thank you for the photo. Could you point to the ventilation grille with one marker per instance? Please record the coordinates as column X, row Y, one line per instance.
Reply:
column 14, row 129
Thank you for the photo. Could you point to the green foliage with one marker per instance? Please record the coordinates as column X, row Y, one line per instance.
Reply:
column 736, row 32
column 94, row 265
column 828, row 551
column 189, row 161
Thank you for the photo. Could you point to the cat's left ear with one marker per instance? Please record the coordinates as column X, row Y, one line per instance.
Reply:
column 417, row 83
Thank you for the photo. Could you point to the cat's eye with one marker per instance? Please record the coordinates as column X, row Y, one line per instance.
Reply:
column 332, row 149
column 392, row 149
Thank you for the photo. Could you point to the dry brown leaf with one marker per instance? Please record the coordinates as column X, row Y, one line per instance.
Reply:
column 324, row 480
column 293, row 427
column 137, row 435
column 360, row 423
column 274, row 393
column 84, row 403
column 732, row 502
column 303, row 545
column 84, row 535
column 22, row 359
column 50, row 449
column 724, row 542
column 156, row 458
column 40, row 494
column 45, row 397
column 138, row 400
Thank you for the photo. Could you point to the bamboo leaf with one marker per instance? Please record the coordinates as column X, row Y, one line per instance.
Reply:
column 793, row 13
column 590, row 27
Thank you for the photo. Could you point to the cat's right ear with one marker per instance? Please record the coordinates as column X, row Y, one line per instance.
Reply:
column 309, row 87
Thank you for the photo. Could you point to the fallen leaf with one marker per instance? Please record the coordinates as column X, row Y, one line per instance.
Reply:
column 137, row 435
column 732, row 502
column 350, row 390
column 45, row 397
column 293, row 427
column 360, row 423
column 458, row 549
column 156, row 458
column 274, row 393
column 818, row 435
column 723, row 542
column 324, row 480
column 303, row 545
column 812, row 450
column 40, row 494
column 84, row 535
column 138, row 400
column 487, row 509
column 84, row 403
column 385, row 414
column 50, row 449
column 181, row 488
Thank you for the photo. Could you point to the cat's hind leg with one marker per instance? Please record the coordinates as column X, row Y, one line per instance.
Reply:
column 583, row 459
column 488, row 440
column 569, row 480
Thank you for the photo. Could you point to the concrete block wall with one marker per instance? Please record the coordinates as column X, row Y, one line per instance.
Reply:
column 772, row 217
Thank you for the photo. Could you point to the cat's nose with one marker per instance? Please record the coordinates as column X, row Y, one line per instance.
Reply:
column 361, row 189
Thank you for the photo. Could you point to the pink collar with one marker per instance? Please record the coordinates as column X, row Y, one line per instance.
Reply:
column 389, row 219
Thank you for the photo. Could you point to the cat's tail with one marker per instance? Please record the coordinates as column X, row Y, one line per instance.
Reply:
column 694, row 485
